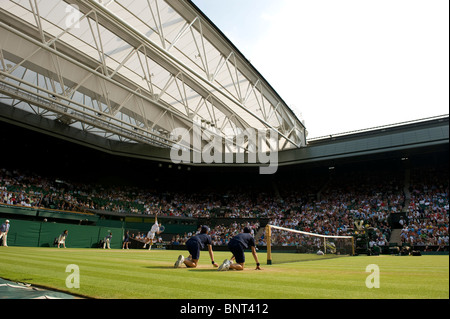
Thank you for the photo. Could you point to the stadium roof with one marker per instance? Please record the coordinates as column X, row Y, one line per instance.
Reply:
column 401, row 139
column 133, row 71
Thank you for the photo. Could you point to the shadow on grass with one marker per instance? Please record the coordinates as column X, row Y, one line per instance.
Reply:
column 202, row 269
column 183, row 268
column 160, row 267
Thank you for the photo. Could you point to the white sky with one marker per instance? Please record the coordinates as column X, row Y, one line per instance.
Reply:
column 344, row 65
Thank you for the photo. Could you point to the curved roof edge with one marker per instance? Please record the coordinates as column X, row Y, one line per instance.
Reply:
column 401, row 138
column 130, row 80
column 243, row 57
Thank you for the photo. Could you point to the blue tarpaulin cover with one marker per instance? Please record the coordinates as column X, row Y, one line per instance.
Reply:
column 16, row 290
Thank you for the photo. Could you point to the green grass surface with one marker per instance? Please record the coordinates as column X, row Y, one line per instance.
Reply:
column 138, row 274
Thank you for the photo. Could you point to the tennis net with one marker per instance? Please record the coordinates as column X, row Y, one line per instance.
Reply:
column 291, row 245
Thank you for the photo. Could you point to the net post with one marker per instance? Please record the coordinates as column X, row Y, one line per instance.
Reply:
column 269, row 244
column 353, row 246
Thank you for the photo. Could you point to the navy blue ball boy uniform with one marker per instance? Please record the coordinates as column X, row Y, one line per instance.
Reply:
column 197, row 243
column 238, row 244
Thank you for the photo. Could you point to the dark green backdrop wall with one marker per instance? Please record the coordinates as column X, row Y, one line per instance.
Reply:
column 43, row 234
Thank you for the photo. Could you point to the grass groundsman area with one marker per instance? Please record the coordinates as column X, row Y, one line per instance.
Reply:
column 143, row 274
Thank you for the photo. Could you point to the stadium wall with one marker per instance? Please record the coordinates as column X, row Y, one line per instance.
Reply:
column 403, row 138
column 41, row 213
column 42, row 234
column 133, row 224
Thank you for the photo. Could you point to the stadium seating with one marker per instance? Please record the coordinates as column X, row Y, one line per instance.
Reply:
column 332, row 209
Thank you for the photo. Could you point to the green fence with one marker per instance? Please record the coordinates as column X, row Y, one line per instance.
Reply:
column 43, row 234
column 30, row 230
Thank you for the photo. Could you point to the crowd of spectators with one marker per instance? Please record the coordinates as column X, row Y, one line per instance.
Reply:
column 28, row 189
column 333, row 210
column 426, row 222
column 340, row 205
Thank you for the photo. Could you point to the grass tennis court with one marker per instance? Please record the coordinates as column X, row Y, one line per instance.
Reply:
column 142, row 274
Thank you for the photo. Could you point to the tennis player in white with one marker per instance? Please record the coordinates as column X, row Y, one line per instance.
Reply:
column 149, row 240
